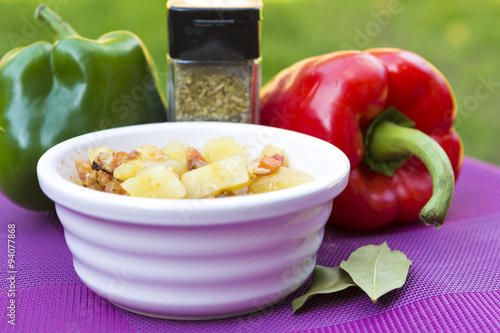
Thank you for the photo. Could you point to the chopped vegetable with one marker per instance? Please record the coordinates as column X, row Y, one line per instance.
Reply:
column 181, row 171
column 221, row 148
column 280, row 179
column 155, row 182
column 229, row 174
column 270, row 163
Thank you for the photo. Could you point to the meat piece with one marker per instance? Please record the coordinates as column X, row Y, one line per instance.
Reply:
column 279, row 157
column 87, row 176
column 194, row 159
column 134, row 154
column 99, row 180
column 268, row 164
column 83, row 168
column 108, row 161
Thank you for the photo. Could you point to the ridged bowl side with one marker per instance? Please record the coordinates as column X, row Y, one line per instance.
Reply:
column 195, row 258
column 184, row 271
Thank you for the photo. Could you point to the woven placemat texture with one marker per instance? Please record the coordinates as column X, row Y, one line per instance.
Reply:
column 453, row 285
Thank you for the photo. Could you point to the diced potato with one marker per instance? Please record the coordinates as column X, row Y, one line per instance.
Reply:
column 271, row 151
column 179, row 168
column 229, row 174
column 128, row 169
column 152, row 155
column 147, row 156
column 150, row 152
column 280, row 179
column 155, row 182
column 93, row 153
column 218, row 149
column 176, row 151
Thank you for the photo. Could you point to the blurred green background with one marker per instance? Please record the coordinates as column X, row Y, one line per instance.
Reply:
column 461, row 38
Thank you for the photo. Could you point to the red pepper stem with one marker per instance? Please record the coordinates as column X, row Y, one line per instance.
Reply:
column 390, row 140
column 57, row 26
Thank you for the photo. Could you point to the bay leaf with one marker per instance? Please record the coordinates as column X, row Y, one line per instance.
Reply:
column 325, row 280
column 376, row 269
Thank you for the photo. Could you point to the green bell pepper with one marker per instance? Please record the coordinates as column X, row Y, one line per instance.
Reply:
column 52, row 92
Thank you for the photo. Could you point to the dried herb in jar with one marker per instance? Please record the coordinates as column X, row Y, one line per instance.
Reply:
column 214, row 60
column 214, row 91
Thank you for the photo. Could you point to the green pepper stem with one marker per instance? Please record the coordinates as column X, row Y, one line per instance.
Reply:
column 389, row 141
column 57, row 26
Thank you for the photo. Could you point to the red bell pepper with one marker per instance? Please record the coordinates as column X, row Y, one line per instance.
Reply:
column 347, row 98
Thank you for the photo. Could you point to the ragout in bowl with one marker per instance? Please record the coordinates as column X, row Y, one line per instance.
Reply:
column 195, row 258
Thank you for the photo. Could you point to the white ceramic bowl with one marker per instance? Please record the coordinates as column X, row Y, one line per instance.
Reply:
column 195, row 259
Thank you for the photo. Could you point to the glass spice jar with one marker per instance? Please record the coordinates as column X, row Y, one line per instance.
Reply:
column 214, row 60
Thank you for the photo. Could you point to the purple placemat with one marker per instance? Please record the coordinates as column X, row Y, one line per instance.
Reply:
column 453, row 285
